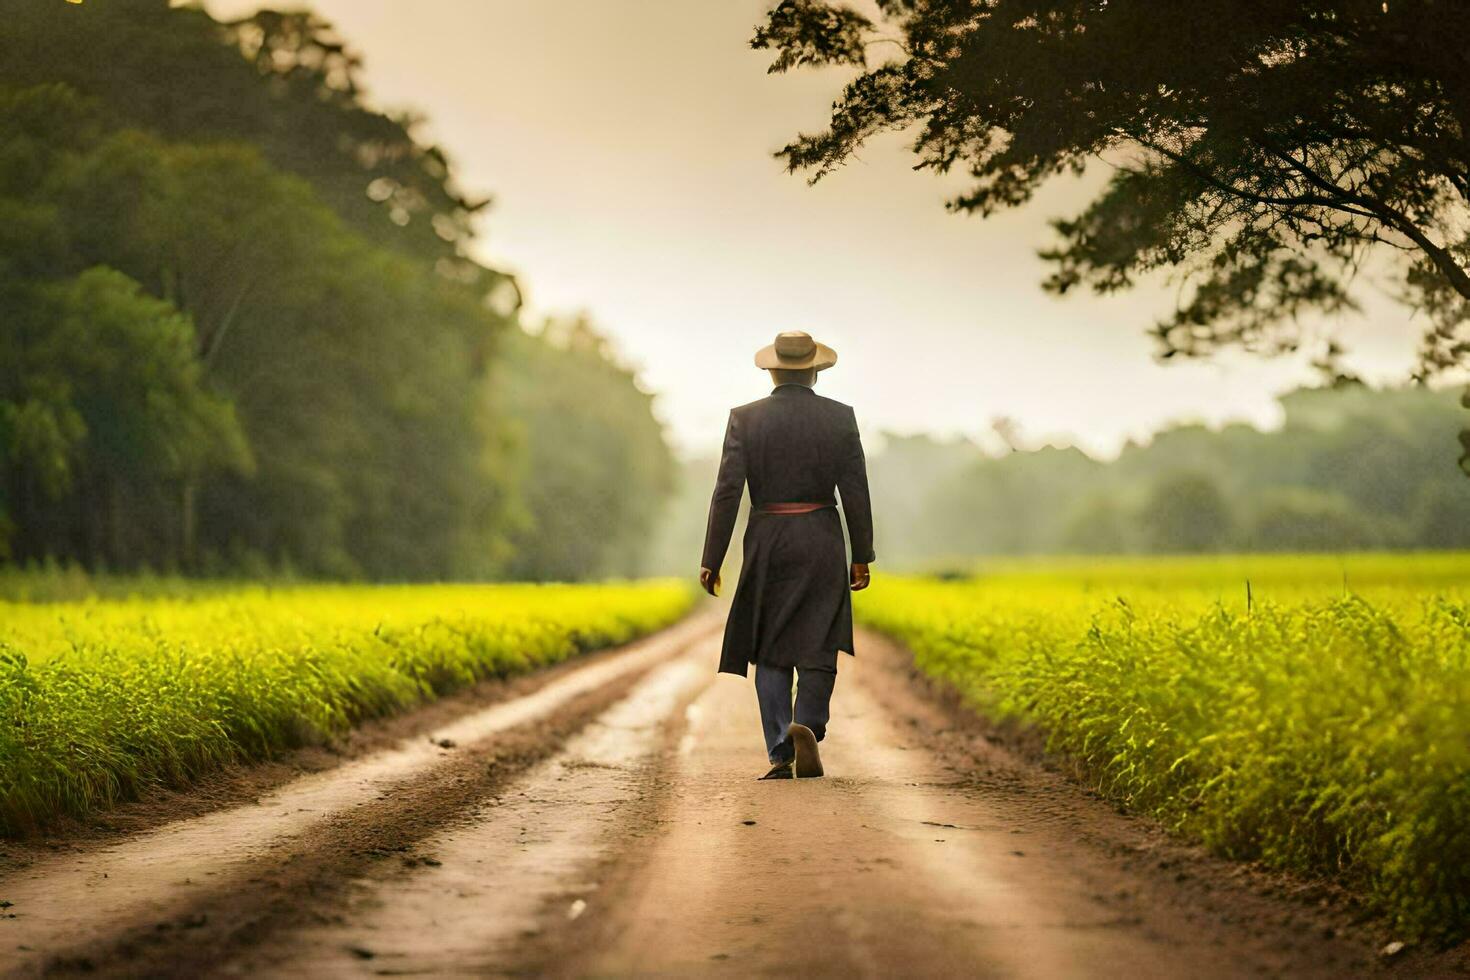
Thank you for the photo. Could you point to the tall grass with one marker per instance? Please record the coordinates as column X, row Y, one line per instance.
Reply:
column 1324, row 728
column 101, row 699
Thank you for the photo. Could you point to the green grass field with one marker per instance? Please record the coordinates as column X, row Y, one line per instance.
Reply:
column 1309, row 712
column 103, row 697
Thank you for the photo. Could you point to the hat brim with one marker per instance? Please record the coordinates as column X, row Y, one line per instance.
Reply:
column 822, row 357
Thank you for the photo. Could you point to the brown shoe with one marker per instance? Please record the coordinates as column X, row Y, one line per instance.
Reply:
column 808, row 760
column 781, row 770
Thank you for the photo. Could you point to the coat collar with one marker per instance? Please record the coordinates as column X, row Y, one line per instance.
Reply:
column 792, row 388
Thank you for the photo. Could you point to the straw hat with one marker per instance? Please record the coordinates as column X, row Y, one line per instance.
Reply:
column 795, row 350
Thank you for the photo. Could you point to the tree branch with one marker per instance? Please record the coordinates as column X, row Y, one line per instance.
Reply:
column 1458, row 278
column 1304, row 200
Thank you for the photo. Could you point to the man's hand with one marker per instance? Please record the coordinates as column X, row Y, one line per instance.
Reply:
column 709, row 581
column 859, row 578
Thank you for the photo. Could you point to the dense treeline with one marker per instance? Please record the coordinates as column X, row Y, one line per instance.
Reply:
column 1350, row 468
column 240, row 329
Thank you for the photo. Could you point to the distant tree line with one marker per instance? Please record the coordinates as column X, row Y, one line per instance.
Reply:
column 1350, row 468
column 241, row 330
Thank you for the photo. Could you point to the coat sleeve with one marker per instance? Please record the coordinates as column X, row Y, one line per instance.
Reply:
column 725, row 504
column 856, row 506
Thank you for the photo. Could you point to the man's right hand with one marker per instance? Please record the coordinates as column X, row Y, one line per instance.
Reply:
column 709, row 581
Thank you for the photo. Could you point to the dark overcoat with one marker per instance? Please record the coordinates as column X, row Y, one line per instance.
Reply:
column 792, row 605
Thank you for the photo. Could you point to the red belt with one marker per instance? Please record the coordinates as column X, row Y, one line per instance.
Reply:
column 793, row 508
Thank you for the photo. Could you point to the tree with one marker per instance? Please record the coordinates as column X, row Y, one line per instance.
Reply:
column 1294, row 519
column 283, row 81
column 1186, row 512
column 1465, row 436
column 1264, row 148
column 1098, row 526
column 106, row 397
column 911, row 464
column 592, row 483
column 1442, row 517
column 1007, row 505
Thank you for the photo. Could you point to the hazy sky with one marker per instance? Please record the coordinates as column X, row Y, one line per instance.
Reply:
column 627, row 145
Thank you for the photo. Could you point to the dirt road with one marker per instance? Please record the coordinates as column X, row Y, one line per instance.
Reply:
column 608, row 823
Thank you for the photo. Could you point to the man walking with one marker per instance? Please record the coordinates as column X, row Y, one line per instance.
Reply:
column 792, row 610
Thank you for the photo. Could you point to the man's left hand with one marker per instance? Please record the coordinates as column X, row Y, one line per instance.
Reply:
column 859, row 578
column 709, row 581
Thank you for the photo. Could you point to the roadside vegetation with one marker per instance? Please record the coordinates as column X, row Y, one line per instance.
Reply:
column 1312, row 713
column 102, row 698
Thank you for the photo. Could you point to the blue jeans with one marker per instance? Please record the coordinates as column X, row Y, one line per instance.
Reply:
column 773, row 693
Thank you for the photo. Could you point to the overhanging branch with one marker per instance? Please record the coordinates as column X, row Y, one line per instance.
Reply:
column 1458, row 279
